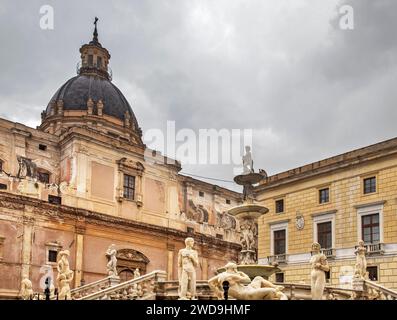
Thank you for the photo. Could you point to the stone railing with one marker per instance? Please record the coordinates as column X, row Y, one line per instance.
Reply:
column 369, row 290
column 296, row 291
column 145, row 287
column 93, row 287
column 376, row 248
column 329, row 253
column 278, row 258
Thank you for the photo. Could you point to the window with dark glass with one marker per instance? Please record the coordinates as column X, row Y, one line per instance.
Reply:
column 370, row 185
column 201, row 193
column 44, row 177
column 227, row 201
column 42, row 147
column 90, row 60
column 328, row 275
column 99, row 62
column 324, row 234
column 372, row 273
column 129, row 187
column 279, row 241
column 280, row 277
column 279, row 205
column 52, row 255
column 324, row 195
column 370, row 228
column 54, row 199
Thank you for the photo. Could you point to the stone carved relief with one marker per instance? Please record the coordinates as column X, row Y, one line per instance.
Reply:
column 248, row 241
column 225, row 221
column 27, row 168
column 132, row 260
column 197, row 213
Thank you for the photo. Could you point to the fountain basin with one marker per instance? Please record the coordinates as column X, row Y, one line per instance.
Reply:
column 248, row 210
column 254, row 270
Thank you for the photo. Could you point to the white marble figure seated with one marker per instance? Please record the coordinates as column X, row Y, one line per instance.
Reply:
column 242, row 288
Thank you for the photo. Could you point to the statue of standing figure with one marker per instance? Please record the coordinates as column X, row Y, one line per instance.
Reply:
column 187, row 264
column 242, row 288
column 137, row 274
column 65, row 276
column 112, row 264
column 360, row 270
column 319, row 265
column 26, row 288
column 248, row 163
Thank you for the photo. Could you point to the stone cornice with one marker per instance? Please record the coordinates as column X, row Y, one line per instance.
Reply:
column 339, row 162
column 19, row 202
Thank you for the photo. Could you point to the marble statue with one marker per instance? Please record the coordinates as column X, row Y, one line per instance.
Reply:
column 248, row 163
column 242, row 288
column 360, row 270
column 319, row 265
column 187, row 264
column 112, row 264
column 26, row 288
column 65, row 276
column 137, row 274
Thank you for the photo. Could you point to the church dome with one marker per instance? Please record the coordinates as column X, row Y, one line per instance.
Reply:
column 78, row 90
column 91, row 99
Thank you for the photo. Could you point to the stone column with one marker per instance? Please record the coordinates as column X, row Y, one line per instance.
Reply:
column 78, row 274
column 170, row 261
column 26, row 258
column 205, row 269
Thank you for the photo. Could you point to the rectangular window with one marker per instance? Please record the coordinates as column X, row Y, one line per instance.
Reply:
column 129, row 187
column 42, row 147
column 3, row 186
column 280, row 206
column 279, row 241
column 190, row 230
column 1, row 166
column 201, row 193
column 324, row 195
column 369, row 185
column 44, row 177
column 370, row 228
column 372, row 273
column 90, row 60
column 52, row 255
column 99, row 62
column 227, row 201
column 324, row 234
column 328, row 275
column 280, row 277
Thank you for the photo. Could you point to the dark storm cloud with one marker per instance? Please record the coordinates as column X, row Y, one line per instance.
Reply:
column 285, row 69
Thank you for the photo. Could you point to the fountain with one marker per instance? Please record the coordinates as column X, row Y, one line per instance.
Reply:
column 248, row 214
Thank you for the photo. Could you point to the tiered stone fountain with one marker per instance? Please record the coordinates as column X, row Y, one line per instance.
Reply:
column 248, row 214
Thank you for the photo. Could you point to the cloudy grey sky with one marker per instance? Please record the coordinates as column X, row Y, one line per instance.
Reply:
column 282, row 68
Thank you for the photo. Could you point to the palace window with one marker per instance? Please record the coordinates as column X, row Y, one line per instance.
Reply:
column 324, row 234
column 324, row 195
column 201, row 193
column 54, row 199
column 369, row 185
column 90, row 60
column 370, row 228
column 129, row 187
column 227, row 201
column 42, row 147
column 280, row 277
column 52, row 255
column 280, row 206
column 43, row 177
column 372, row 273
column 279, row 242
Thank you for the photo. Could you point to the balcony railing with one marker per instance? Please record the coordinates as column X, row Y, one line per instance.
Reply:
column 277, row 259
column 329, row 253
column 374, row 248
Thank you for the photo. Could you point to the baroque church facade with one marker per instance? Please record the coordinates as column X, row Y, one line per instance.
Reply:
column 84, row 180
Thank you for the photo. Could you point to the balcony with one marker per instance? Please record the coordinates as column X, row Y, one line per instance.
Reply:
column 375, row 248
column 277, row 259
column 329, row 253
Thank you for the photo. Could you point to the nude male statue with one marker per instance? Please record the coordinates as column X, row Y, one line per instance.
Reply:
column 187, row 264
